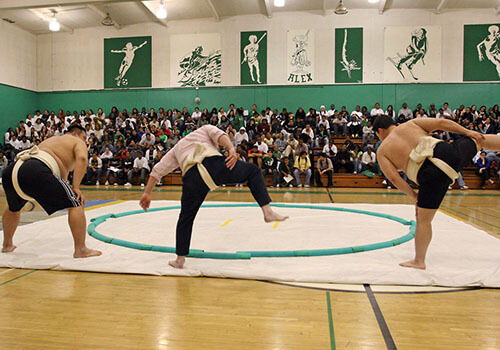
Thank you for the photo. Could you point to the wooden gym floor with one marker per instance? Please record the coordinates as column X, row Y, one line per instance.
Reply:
column 75, row 310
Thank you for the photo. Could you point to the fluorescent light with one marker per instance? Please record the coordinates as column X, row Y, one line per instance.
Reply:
column 54, row 25
column 279, row 3
column 372, row 1
column 161, row 13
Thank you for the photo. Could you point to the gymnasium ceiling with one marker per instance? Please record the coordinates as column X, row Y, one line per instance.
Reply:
column 33, row 15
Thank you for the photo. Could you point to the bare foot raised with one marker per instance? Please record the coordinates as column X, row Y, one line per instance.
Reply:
column 8, row 249
column 86, row 253
column 178, row 263
column 413, row 264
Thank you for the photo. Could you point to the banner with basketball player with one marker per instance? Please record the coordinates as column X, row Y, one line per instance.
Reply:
column 195, row 60
column 300, row 56
column 127, row 62
column 482, row 52
column 349, row 55
column 412, row 54
column 253, row 58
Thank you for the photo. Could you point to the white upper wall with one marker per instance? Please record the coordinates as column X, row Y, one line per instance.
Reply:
column 76, row 61
column 17, row 57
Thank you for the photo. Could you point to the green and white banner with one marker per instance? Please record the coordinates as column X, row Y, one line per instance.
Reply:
column 300, row 56
column 349, row 55
column 195, row 59
column 253, row 60
column 127, row 62
column 482, row 52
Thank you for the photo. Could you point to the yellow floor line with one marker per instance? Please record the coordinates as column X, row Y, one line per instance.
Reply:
column 276, row 224
column 9, row 270
column 105, row 204
column 227, row 222
column 452, row 215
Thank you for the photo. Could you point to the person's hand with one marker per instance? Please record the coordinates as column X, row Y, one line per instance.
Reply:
column 481, row 57
column 231, row 159
column 79, row 196
column 145, row 201
column 476, row 136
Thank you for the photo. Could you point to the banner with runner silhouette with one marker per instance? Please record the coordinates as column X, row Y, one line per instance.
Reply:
column 127, row 62
column 253, row 58
column 300, row 56
column 412, row 54
column 482, row 52
column 195, row 59
column 348, row 55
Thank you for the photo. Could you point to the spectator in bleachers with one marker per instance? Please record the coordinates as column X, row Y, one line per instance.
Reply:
column 354, row 126
column 356, row 155
column 255, row 156
column 114, row 168
column 376, row 111
column 368, row 160
column 270, row 167
column 390, row 112
column 94, row 169
column 280, row 143
column 330, row 150
column 240, row 136
column 302, row 167
column 285, row 172
column 339, row 123
column 140, row 167
column 324, row 166
column 322, row 137
column 368, row 134
column 150, row 156
column 106, row 156
column 343, row 160
column 4, row 162
column 483, row 169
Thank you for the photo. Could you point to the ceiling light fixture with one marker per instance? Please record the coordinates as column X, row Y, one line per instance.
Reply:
column 108, row 21
column 161, row 12
column 279, row 3
column 341, row 9
column 54, row 24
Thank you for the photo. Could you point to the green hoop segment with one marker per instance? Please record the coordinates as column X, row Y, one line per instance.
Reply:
column 197, row 253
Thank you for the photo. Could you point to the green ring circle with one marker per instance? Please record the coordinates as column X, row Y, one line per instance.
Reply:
column 197, row 253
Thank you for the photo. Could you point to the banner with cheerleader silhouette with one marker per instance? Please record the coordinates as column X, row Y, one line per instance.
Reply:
column 412, row 54
column 195, row 59
column 349, row 55
column 300, row 56
column 127, row 62
column 482, row 52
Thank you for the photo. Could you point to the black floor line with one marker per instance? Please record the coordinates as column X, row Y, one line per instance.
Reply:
column 329, row 195
column 389, row 342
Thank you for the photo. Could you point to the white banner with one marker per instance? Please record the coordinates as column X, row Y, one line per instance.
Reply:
column 412, row 54
column 195, row 59
column 300, row 56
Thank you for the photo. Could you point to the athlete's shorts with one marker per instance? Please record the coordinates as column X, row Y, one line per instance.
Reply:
column 433, row 182
column 37, row 181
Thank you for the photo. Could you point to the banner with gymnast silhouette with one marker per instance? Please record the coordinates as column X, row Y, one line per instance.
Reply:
column 127, row 62
column 412, row 54
column 482, row 52
column 348, row 55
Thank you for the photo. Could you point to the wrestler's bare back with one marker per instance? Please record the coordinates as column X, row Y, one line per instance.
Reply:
column 400, row 142
column 63, row 149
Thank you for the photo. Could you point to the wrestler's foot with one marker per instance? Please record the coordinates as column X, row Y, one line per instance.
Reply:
column 270, row 215
column 86, row 253
column 177, row 263
column 8, row 248
column 413, row 264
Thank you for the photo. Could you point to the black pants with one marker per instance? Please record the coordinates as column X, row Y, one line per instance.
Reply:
column 484, row 175
column 318, row 178
column 194, row 191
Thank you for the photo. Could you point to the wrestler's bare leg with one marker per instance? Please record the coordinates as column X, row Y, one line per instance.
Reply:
column 10, row 221
column 270, row 215
column 423, row 236
column 78, row 225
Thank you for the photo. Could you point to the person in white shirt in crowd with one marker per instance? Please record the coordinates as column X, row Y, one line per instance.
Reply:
column 368, row 133
column 357, row 112
column 324, row 121
column 196, row 114
column 221, row 113
column 25, row 144
column 323, row 111
column 447, row 110
column 339, row 123
column 150, row 156
column 280, row 143
column 376, row 111
column 38, row 125
column 331, row 111
column 94, row 169
column 330, row 150
column 106, row 156
column 146, row 141
column 291, row 145
column 354, row 125
column 141, row 167
column 15, row 143
column 368, row 160
column 421, row 114
column 309, row 132
column 405, row 111
column 261, row 145
column 4, row 162
column 240, row 136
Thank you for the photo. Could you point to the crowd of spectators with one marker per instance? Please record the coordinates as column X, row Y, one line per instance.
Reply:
column 284, row 144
